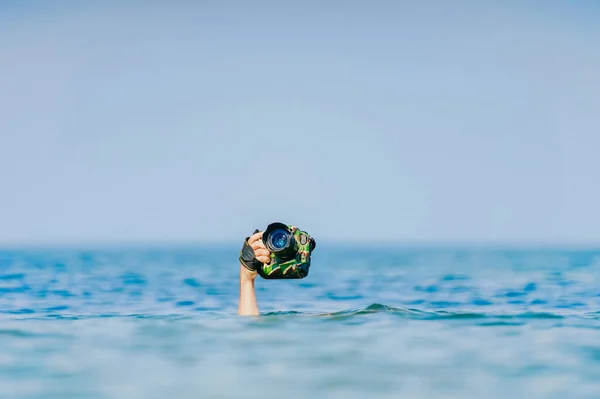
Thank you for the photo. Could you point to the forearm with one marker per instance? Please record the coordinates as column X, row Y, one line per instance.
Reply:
column 247, row 305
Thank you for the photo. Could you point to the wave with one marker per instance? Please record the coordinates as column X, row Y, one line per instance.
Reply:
column 418, row 314
column 375, row 309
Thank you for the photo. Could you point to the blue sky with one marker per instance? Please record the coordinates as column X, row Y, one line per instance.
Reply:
column 358, row 121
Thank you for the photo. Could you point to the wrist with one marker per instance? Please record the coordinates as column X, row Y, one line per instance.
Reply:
column 247, row 276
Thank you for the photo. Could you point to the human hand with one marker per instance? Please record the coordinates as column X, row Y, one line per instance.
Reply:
column 252, row 255
column 262, row 254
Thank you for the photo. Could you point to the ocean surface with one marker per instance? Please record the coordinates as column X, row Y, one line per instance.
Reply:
column 366, row 323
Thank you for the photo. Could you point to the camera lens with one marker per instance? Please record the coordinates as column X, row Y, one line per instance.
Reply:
column 279, row 239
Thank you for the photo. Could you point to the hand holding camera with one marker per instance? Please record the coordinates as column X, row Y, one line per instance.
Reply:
column 280, row 252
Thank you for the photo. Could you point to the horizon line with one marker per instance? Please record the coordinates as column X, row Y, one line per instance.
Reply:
column 333, row 243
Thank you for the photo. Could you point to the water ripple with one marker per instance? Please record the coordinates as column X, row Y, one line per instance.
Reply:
column 377, row 323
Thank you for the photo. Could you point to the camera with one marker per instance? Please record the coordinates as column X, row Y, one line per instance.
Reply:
column 291, row 250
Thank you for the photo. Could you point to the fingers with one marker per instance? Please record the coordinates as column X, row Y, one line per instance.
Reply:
column 264, row 259
column 255, row 237
column 256, row 242
column 261, row 252
column 258, row 245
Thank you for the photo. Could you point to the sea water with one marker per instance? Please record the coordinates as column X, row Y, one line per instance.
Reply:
column 373, row 322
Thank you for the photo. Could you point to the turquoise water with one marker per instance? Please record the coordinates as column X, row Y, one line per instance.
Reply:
column 365, row 323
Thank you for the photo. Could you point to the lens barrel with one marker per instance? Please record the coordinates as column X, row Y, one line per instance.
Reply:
column 279, row 239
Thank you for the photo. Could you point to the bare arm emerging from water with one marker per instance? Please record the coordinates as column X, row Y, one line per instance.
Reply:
column 247, row 305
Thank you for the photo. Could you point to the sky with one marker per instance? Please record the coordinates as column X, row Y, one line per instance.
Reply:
column 382, row 121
